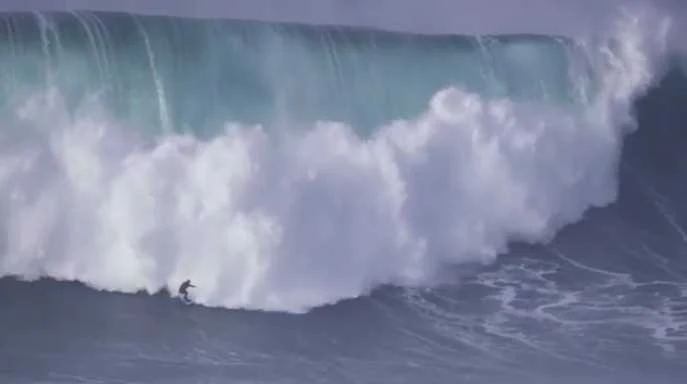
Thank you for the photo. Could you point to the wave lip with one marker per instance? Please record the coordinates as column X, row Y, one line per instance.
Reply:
column 477, row 17
column 284, row 219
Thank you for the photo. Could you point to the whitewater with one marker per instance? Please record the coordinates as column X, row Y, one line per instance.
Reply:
column 285, row 167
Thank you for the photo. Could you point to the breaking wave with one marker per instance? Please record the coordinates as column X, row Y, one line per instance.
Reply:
column 284, row 167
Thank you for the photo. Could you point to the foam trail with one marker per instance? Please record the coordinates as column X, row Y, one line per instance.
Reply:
column 300, row 218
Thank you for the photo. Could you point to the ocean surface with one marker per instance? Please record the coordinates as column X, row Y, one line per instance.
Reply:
column 354, row 205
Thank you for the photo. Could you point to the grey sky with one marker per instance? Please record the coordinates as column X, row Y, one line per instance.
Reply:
column 461, row 16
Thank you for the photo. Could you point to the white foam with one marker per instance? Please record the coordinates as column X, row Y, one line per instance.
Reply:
column 293, row 220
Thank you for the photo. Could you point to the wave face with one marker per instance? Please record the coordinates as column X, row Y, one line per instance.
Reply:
column 284, row 167
column 186, row 75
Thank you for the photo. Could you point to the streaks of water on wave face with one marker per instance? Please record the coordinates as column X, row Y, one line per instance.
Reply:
column 524, row 294
column 612, row 304
column 438, row 328
column 559, row 309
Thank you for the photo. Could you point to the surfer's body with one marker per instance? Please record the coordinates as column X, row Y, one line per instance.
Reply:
column 183, row 289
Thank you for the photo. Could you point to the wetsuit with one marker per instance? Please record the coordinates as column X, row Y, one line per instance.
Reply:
column 183, row 289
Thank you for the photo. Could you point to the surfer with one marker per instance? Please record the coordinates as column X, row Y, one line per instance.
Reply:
column 183, row 289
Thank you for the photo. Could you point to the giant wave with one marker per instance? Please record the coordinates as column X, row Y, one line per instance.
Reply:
column 286, row 167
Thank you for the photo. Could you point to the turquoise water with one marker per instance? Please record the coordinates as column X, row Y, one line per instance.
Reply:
column 166, row 74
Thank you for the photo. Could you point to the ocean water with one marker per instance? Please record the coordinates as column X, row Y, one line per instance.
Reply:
column 354, row 205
